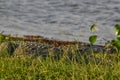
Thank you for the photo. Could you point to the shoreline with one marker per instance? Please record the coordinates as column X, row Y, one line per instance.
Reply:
column 38, row 45
column 41, row 39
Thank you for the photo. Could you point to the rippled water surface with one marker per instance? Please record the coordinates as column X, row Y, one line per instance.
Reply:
column 59, row 19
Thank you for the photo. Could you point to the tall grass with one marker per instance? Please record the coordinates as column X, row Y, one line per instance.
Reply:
column 70, row 65
column 88, row 67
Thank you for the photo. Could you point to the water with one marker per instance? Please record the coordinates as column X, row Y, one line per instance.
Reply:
column 59, row 19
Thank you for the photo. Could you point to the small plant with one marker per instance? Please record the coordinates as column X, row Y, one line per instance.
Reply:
column 93, row 37
column 4, row 38
column 1, row 38
column 116, row 42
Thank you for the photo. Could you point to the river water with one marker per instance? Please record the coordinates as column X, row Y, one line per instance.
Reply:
column 60, row 19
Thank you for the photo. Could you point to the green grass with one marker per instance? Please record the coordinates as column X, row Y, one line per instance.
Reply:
column 98, row 67
column 86, row 66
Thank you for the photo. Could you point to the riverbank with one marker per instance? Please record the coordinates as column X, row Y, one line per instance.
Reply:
column 38, row 45
column 36, row 57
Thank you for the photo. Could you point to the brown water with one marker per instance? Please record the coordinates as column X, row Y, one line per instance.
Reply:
column 59, row 19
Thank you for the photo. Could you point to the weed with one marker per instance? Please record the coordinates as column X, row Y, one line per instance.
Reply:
column 93, row 37
column 116, row 42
